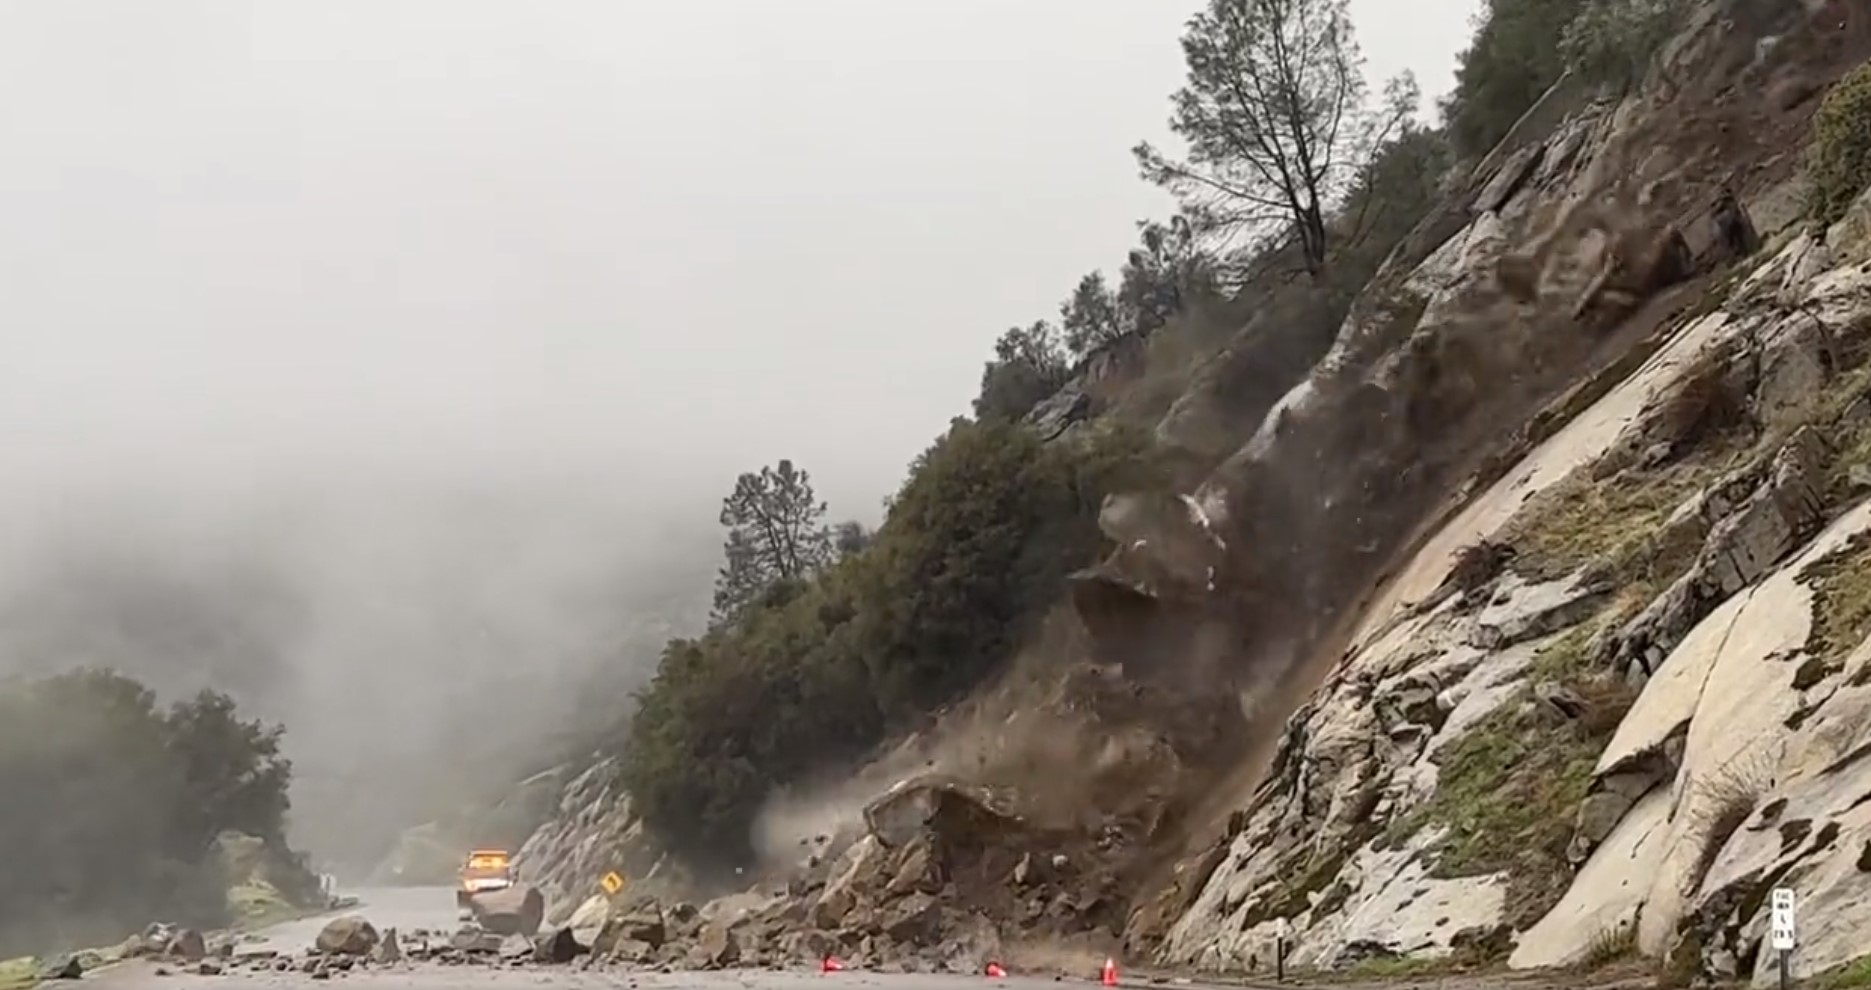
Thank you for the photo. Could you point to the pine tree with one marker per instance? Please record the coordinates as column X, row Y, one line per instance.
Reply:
column 776, row 533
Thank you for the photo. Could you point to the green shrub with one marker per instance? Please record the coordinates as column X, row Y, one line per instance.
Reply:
column 1613, row 42
column 113, row 807
column 1839, row 156
column 1511, row 62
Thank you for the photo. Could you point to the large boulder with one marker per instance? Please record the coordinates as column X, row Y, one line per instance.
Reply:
column 187, row 945
column 716, row 948
column 474, row 941
column 515, row 910
column 350, row 935
column 934, row 806
column 559, row 946
column 587, row 923
column 858, row 869
column 645, row 926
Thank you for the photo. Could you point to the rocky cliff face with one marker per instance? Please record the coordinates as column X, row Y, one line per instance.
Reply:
column 1627, row 700
column 593, row 833
column 1609, row 697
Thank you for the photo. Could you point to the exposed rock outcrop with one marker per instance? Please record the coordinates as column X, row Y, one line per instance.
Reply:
column 1387, row 822
column 1378, row 827
column 593, row 833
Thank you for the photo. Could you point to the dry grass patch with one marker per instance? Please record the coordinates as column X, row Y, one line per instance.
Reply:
column 1723, row 802
column 1610, row 527
column 1610, row 946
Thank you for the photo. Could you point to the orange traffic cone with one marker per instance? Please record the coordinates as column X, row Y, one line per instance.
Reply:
column 1109, row 976
column 831, row 965
column 995, row 971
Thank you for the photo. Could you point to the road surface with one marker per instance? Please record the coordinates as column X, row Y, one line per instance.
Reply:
column 405, row 909
column 409, row 909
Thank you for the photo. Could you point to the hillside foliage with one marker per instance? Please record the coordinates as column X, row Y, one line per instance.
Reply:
column 114, row 806
column 975, row 546
column 1522, row 47
column 1613, row 43
column 1839, row 158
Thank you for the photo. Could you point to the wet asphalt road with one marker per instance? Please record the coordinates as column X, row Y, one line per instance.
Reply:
column 410, row 909
column 405, row 909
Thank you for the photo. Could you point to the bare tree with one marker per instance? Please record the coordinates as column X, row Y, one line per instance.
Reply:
column 1277, row 120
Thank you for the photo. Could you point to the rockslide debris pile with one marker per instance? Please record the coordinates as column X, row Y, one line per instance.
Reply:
column 938, row 865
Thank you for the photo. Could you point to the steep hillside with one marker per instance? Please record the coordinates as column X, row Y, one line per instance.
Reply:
column 1631, row 630
column 1517, row 620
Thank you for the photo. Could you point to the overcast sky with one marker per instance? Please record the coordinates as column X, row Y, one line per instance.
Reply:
column 540, row 237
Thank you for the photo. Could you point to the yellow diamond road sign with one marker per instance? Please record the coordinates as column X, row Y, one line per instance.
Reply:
column 611, row 882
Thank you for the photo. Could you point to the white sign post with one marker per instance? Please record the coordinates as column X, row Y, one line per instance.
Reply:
column 1780, row 928
column 1282, row 933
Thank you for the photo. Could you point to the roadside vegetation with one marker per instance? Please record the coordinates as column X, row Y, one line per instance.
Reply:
column 820, row 664
column 1839, row 155
column 118, row 807
column 1850, row 976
